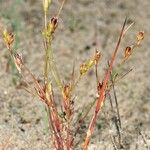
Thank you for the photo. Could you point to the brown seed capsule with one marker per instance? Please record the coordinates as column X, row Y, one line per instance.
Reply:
column 66, row 91
column 9, row 38
column 97, row 56
column 140, row 36
column 99, row 86
column 54, row 24
column 127, row 52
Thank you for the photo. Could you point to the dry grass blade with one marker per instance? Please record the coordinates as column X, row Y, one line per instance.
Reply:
column 128, row 28
column 60, row 9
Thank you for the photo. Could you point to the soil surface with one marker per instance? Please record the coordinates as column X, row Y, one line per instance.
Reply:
column 84, row 25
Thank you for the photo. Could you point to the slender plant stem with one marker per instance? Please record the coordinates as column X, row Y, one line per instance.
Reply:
column 102, row 92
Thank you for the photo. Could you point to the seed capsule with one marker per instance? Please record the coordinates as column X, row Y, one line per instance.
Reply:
column 66, row 91
column 140, row 36
column 127, row 52
column 54, row 24
column 8, row 38
column 97, row 56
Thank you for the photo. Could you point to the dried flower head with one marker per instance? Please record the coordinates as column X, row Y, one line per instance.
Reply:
column 140, row 37
column 54, row 24
column 88, row 64
column 51, row 27
column 66, row 91
column 97, row 56
column 8, row 38
column 83, row 69
column 127, row 51
column 48, row 90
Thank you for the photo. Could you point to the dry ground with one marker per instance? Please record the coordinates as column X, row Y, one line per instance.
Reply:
column 21, row 116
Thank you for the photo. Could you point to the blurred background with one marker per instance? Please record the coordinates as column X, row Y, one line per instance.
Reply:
column 84, row 25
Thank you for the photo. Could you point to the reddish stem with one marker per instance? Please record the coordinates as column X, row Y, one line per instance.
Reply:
column 102, row 92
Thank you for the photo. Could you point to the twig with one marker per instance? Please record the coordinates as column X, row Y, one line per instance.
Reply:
column 113, row 142
column 116, row 101
column 144, row 140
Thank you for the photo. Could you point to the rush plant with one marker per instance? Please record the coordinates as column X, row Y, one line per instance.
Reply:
column 61, row 123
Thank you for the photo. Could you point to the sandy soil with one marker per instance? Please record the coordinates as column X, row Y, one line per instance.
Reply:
column 22, row 125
